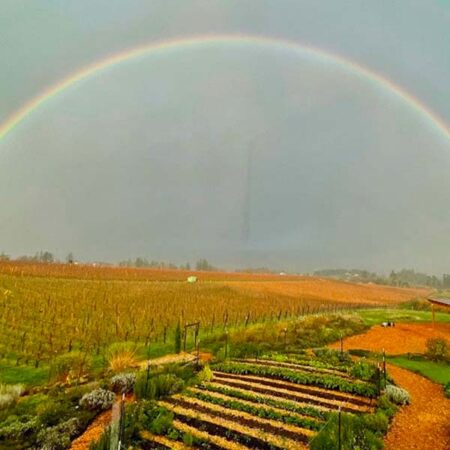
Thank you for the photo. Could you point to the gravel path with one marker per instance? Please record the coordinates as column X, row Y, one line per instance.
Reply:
column 425, row 423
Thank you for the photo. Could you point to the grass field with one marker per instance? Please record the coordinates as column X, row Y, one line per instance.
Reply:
column 438, row 372
column 377, row 316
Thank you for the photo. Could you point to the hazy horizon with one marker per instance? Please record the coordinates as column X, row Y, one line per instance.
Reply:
column 241, row 154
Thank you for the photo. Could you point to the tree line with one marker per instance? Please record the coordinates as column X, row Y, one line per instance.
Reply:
column 401, row 278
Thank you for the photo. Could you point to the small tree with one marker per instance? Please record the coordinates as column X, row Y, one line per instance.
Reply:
column 178, row 338
column 437, row 349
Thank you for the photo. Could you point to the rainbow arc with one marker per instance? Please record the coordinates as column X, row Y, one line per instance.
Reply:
column 434, row 121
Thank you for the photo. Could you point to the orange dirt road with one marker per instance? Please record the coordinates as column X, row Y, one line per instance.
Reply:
column 403, row 338
column 425, row 423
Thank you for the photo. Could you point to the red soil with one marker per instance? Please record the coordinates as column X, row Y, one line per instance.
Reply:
column 403, row 338
column 425, row 423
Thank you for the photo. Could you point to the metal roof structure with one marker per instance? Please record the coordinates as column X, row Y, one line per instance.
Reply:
column 440, row 301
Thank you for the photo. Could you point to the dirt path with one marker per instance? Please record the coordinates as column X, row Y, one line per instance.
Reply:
column 169, row 359
column 403, row 338
column 425, row 423
column 93, row 432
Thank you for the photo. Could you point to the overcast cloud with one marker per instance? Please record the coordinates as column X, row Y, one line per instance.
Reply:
column 241, row 154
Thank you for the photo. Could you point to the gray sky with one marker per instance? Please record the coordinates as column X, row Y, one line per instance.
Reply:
column 244, row 155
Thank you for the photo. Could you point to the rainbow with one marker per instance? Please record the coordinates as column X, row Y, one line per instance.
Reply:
column 28, row 108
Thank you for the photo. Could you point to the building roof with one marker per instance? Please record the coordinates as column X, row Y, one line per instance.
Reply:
column 441, row 301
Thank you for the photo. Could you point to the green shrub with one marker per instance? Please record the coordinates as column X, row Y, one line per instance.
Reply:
column 97, row 400
column 70, row 367
column 29, row 404
column 357, row 432
column 397, row 395
column 377, row 422
column 364, row 370
column 147, row 415
column 50, row 413
column 18, row 427
column 332, row 356
column 162, row 423
column 157, row 386
column 9, row 394
column 205, row 374
column 437, row 349
column 59, row 437
column 386, row 406
column 123, row 383
column 52, row 439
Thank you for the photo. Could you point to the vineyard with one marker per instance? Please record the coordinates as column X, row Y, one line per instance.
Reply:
column 50, row 309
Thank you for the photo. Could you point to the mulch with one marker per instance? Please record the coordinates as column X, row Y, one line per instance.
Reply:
column 425, row 423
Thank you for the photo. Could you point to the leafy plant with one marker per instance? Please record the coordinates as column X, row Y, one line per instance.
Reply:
column 97, row 400
column 123, row 383
column 51, row 412
column 58, row 437
column 15, row 427
column 356, row 432
column 9, row 394
column 157, row 386
column 364, row 370
column 205, row 374
column 70, row 366
column 437, row 349
column 397, row 395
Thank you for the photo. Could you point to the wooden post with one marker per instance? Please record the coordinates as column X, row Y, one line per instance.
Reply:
column 226, row 344
column 432, row 311
column 339, row 429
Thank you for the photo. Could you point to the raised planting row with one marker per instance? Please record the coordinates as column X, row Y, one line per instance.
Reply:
column 328, row 381
column 309, row 390
column 239, row 408
column 267, row 399
column 239, row 427
column 195, row 439
column 262, row 411
column 303, row 367
column 286, row 392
